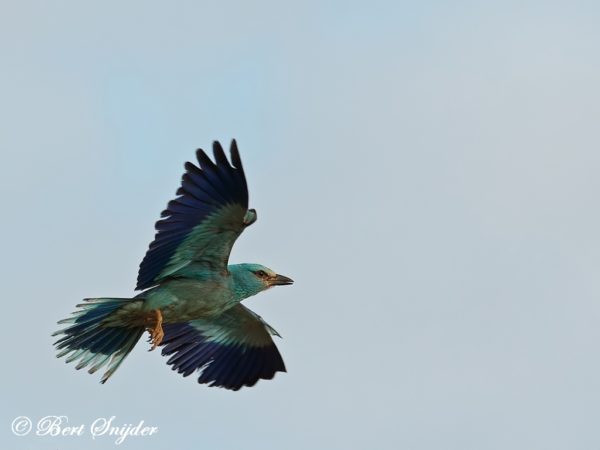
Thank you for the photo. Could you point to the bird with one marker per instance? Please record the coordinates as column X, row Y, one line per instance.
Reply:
column 190, row 299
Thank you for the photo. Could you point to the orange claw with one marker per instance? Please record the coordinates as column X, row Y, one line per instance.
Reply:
column 156, row 332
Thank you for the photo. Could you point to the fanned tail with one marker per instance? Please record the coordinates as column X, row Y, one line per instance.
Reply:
column 90, row 340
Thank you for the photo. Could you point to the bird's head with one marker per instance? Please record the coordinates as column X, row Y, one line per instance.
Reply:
column 254, row 278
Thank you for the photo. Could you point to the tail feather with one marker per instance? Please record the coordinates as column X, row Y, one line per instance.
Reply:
column 118, row 357
column 92, row 342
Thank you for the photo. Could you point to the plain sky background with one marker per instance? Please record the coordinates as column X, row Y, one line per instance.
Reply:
column 426, row 171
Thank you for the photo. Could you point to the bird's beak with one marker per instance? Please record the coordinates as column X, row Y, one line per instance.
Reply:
column 281, row 280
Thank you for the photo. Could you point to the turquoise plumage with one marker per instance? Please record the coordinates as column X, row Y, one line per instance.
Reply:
column 190, row 299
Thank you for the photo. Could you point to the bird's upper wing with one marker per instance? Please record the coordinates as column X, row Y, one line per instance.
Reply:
column 203, row 222
column 234, row 349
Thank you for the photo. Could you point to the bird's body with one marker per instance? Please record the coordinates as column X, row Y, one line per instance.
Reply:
column 194, row 293
column 183, row 299
column 190, row 299
column 179, row 300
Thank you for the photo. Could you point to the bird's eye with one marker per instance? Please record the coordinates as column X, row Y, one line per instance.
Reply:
column 261, row 274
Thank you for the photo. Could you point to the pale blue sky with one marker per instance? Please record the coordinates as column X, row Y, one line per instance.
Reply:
column 426, row 171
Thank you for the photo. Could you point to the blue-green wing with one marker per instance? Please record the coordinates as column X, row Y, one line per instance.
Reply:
column 203, row 222
column 234, row 349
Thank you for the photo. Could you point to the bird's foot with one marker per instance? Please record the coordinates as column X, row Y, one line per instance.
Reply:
column 156, row 331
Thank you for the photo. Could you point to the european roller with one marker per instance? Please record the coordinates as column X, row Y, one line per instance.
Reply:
column 190, row 299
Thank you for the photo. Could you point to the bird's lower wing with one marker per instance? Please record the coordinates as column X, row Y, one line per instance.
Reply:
column 232, row 350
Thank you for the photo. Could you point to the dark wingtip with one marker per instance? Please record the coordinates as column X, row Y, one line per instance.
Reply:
column 235, row 155
column 219, row 153
column 191, row 167
column 204, row 160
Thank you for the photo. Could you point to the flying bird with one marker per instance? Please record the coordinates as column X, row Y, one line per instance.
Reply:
column 190, row 299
